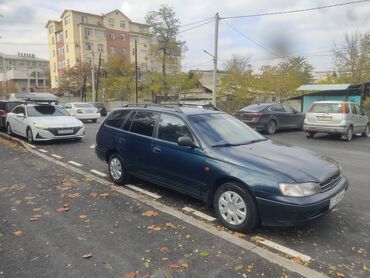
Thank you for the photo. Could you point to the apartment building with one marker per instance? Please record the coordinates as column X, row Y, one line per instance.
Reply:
column 81, row 37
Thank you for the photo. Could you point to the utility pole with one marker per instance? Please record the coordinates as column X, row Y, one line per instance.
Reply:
column 28, row 81
column 215, row 57
column 136, row 88
column 93, row 77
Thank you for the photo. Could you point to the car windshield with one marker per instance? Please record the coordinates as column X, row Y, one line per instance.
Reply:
column 45, row 110
column 83, row 105
column 220, row 129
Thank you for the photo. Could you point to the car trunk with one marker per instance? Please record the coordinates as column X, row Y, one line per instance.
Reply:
column 326, row 113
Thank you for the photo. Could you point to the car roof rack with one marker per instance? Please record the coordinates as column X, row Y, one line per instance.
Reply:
column 204, row 106
column 40, row 98
column 145, row 105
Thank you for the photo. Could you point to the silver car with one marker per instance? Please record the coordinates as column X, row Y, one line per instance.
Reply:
column 336, row 117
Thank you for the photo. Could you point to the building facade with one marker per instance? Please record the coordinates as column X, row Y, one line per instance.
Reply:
column 82, row 37
column 23, row 73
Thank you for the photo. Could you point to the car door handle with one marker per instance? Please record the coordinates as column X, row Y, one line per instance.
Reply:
column 156, row 150
column 121, row 141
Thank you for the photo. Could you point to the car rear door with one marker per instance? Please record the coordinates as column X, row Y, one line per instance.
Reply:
column 282, row 116
column 176, row 166
column 356, row 118
column 363, row 118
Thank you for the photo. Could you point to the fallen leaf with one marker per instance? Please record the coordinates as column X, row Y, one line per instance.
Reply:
column 220, row 229
column 46, row 213
column 250, row 268
column 237, row 234
column 154, row 228
column 3, row 189
column 297, row 260
column 130, row 275
column 146, row 264
column 257, row 238
column 36, row 209
column 184, row 266
column 366, row 268
column 238, row 267
column 164, row 249
column 174, row 266
column 73, row 195
column 107, row 266
column 170, row 225
column 204, row 254
column 150, row 213
column 87, row 255
column 103, row 195
column 340, row 274
column 18, row 233
column 35, row 219
column 168, row 275
column 63, row 209
column 83, row 216
column 94, row 194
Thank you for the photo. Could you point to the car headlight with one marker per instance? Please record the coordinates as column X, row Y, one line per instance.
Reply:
column 299, row 189
column 40, row 126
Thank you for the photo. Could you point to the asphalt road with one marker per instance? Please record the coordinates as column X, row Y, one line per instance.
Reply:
column 338, row 242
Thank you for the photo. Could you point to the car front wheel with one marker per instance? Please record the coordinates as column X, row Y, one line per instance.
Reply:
column 235, row 207
column 349, row 134
column 116, row 169
column 367, row 131
column 9, row 129
column 29, row 135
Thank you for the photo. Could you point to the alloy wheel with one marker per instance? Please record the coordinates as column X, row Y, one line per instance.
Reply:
column 232, row 208
column 115, row 169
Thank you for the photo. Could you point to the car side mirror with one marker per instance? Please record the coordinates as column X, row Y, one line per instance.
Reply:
column 20, row 115
column 185, row 141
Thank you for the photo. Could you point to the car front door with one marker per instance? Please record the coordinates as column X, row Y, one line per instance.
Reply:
column 278, row 111
column 355, row 118
column 294, row 118
column 174, row 165
column 20, row 122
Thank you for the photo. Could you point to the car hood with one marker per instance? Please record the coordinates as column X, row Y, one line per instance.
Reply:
column 297, row 163
column 57, row 121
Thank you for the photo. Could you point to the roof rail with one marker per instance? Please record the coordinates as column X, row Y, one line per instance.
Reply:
column 204, row 106
column 145, row 105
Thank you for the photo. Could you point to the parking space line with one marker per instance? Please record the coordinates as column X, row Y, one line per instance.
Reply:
column 75, row 163
column 138, row 189
column 92, row 146
column 282, row 249
column 98, row 173
column 199, row 214
column 42, row 150
column 57, row 156
column 32, row 146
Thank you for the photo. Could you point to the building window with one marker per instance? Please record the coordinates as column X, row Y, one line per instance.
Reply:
column 122, row 24
column 111, row 22
column 51, row 29
column 124, row 51
column 62, row 50
column 141, row 29
column 100, row 47
column 89, row 46
column 53, row 53
column 84, row 19
column 58, row 51
column 99, row 33
column 59, row 37
column 112, row 36
column 122, row 37
column 52, row 40
column 88, row 32
column 66, row 34
column 67, row 48
column 112, row 50
column 67, row 20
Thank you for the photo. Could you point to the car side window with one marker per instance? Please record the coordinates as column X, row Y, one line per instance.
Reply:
column 276, row 108
column 118, row 118
column 17, row 110
column 143, row 123
column 353, row 109
column 170, row 128
column 359, row 110
column 288, row 109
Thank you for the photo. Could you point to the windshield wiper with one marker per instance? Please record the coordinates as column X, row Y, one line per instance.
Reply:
column 239, row 144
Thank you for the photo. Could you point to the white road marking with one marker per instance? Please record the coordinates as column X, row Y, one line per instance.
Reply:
column 283, row 249
column 75, row 163
column 98, row 173
column 138, row 189
column 92, row 146
column 43, row 151
column 32, row 146
column 198, row 213
column 57, row 156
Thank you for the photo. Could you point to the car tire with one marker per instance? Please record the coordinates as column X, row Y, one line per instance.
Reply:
column 29, row 135
column 240, row 213
column 271, row 127
column 117, row 170
column 9, row 130
column 94, row 120
column 310, row 134
column 349, row 133
column 366, row 131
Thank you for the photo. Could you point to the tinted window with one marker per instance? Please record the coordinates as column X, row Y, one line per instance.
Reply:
column 83, row 105
column 143, row 123
column 117, row 118
column 288, row 109
column 45, row 110
column 277, row 108
column 170, row 128
column 254, row 107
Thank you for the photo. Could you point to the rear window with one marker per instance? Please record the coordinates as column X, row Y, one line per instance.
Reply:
column 329, row 108
column 254, row 108
column 117, row 118
column 83, row 105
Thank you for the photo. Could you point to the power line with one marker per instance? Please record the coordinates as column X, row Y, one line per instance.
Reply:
column 296, row 11
column 195, row 22
column 197, row 26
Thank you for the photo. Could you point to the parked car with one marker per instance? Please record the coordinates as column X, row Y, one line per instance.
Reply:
column 211, row 155
column 101, row 107
column 336, row 117
column 43, row 122
column 83, row 111
column 270, row 117
column 7, row 106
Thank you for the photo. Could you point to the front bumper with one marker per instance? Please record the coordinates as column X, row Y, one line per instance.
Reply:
column 295, row 211
column 325, row 129
column 47, row 135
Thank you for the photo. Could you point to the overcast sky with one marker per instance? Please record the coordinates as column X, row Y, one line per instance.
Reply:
column 311, row 34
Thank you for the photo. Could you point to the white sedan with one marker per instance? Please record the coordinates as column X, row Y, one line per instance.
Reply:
column 83, row 111
column 43, row 122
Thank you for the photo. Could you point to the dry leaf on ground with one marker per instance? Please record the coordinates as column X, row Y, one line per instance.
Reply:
column 174, row 266
column 87, row 255
column 36, row 209
column 297, row 260
column 164, row 249
column 18, row 233
column 150, row 213
column 73, row 195
column 237, row 234
column 170, row 225
column 154, row 228
column 130, row 275
column 63, row 209
column 83, row 216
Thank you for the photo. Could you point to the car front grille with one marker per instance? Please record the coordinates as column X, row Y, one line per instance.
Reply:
column 331, row 182
column 55, row 131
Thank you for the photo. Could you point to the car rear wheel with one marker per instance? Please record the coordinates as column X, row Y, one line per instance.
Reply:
column 29, row 135
column 271, row 127
column 310, row 134
column 349, row 133
column 116, row 169
column 9, row 129
column 367, row 131
column 235, row 207
column 94, row 120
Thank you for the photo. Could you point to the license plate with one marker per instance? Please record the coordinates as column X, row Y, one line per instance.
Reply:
column 65, row 131
column 324, row 118
column 90, row 111
column 336, row 199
